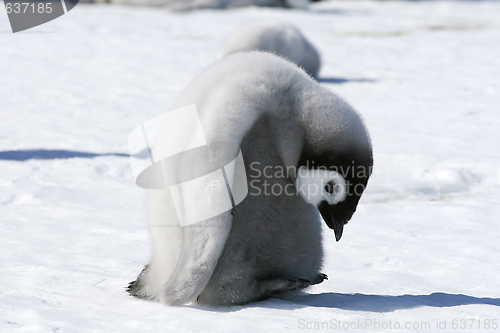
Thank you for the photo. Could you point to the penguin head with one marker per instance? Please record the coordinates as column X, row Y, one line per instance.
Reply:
column 335, row 188
column 336, row 157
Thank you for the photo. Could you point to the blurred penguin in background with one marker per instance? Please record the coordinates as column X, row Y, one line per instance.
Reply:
column 280, row 38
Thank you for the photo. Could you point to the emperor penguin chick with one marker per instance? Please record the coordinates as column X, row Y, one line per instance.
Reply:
column 300, row 145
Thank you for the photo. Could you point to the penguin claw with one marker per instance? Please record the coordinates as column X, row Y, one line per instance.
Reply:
column 320, row 278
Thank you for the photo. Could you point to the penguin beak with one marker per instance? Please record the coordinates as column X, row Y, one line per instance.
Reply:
column 338, row 229
column 331, row 222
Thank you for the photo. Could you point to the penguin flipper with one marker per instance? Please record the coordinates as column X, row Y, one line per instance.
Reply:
column 201, row 249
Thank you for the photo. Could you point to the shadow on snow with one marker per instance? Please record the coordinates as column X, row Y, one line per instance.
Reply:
column 384, row 303
column 44, row 154
column 339, row 80
column 358, row 302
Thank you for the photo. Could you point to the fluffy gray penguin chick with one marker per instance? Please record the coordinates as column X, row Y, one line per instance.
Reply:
column 280, row 38
column 271, row 243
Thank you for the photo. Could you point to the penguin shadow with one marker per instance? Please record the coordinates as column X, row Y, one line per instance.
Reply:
column 385, row 303
column 339, row 80
column 44, row 154
column 359, row 302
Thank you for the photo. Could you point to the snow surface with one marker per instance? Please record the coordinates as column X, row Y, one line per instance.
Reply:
column 422, row 247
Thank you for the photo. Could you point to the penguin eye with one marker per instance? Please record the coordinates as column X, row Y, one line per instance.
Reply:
column 329, row 187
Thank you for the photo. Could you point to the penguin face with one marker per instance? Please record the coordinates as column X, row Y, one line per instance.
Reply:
column 321, row 185
column 335, row 194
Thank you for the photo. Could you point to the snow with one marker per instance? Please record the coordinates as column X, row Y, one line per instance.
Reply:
column 422, row 246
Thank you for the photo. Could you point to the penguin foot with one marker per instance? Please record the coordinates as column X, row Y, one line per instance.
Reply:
column 281, row 285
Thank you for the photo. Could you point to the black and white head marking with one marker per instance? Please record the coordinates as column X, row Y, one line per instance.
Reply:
column 324, row 189
column 317, row 185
